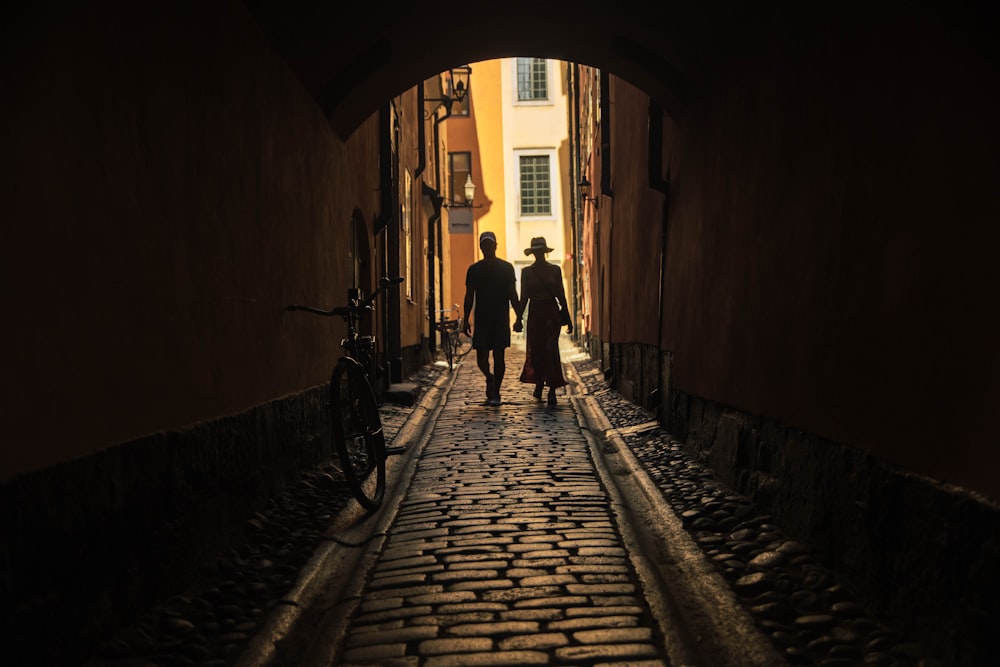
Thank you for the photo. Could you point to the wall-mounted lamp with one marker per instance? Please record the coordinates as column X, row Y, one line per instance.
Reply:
column 584, row 186
column 470, row 195
column 457, row 89
column 470, row 190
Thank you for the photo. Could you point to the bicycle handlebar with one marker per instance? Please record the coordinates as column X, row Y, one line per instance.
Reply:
column 385, row 282
column 315, row 311
column 353, row 306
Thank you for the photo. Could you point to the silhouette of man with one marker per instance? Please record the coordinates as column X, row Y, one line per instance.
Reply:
column 490, row 292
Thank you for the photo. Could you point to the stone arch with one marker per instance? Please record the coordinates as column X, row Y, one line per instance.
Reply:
column 351, row 73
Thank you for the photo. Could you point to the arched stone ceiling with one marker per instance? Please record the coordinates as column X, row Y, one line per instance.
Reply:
column 354, row 57
column 353, row 62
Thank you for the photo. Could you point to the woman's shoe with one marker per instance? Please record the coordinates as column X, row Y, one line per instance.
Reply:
column 552, row 396
column 538, row 392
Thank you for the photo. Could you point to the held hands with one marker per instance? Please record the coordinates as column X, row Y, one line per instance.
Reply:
column 518, row 325
column 569, row 328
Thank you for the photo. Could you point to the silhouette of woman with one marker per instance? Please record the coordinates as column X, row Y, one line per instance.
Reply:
column 542, row 288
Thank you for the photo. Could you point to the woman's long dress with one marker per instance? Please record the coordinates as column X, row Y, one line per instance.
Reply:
column 542, row 364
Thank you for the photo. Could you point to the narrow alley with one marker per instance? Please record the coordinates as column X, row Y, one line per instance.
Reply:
column 775, row 225
column 532, row 534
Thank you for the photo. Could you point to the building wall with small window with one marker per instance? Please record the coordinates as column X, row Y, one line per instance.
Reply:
column 535, row 149
column 479, row 136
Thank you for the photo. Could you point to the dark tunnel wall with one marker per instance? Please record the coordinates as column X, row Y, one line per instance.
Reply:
column 171, row 182
column 169, row 186
column 833, row 238
column 819, row 197
column 828, row 345
column 831, row 248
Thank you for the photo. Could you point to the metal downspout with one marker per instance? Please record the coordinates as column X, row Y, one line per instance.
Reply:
column 388, row 221
column 433, row 243
column 437, row 199
column 577, row 210
column 421, row 135
column 606, row 190
column 661, row 184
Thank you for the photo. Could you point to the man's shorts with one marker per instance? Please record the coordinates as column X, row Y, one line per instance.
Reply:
column 495, row 337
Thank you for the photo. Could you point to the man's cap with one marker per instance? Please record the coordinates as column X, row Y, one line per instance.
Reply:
column 487, row 236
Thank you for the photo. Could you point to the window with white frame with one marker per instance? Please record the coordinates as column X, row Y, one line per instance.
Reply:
column 532, row 79
column 407, row 234
column 535, row 175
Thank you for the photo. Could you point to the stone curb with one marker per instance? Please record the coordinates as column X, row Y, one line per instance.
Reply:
column 697, row 603
column 355, row 541
column 701, row 619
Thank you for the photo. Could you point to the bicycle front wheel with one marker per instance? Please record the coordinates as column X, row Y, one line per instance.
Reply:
column 357, row 432
column 449, row 350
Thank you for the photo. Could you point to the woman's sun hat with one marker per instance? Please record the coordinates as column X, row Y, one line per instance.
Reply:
column 538, row 244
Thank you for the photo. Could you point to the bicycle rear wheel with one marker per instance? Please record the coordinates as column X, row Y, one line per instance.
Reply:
column 449, row 349
column 357, row 432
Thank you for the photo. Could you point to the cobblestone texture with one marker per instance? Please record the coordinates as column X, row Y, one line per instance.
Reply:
column 211, row 622
column 488, row 564
column 811, row 616
column 508, row 530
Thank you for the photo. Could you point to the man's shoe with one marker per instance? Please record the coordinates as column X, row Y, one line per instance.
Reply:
column 494, row 400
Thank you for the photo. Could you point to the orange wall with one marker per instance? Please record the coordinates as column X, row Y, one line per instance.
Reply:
column 481, row 134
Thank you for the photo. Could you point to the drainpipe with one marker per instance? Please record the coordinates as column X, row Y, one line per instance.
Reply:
column 660, row 184
column 434, row 242
column 613, row 372
column 388, row 221
column 440, row 245
column 577, row 211
column 421, row 135
column 438, row 200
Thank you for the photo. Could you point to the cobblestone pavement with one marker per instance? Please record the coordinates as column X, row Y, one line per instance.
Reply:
column 504, row 549
column 519, row 511
column 806, row 610
column 211, row 622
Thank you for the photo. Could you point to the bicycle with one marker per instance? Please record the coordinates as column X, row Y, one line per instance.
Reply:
column 354, row 417
column 449, row 329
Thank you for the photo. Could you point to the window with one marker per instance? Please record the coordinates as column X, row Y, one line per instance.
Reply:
column 532, row 79
column 459, row 169
column 536, row 185
column 407, row 234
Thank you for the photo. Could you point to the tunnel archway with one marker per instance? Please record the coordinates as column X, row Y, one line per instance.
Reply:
column 218, row 178
column 869, row 364
column 352, row 69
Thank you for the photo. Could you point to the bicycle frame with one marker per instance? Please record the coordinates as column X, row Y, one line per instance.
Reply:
column 354, row 344
column 446, row 324
column 355, row 422
column 449, row 329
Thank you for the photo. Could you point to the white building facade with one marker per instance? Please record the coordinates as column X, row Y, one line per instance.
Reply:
column 536, row 158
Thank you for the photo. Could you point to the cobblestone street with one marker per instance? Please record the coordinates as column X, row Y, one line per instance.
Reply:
column 504, row 550
column 504, row 541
